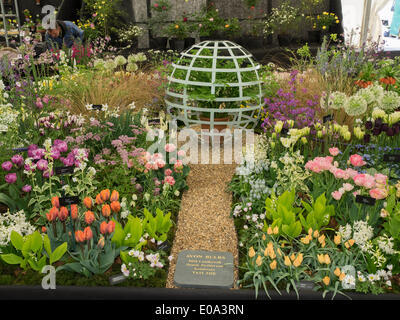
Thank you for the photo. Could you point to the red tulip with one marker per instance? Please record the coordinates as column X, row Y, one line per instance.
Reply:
column 89, row 217
column 44, row 229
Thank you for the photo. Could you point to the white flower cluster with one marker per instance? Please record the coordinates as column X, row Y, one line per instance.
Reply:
column 380, row 275
column 362, row 233
column 8, row 117
column 13, row 222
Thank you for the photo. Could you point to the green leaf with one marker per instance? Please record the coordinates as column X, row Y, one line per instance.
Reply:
column 47, row 245
column 58, row 252
column 119, row 234
column 37, row 241
column 11, row 258
column 7, row 201
column 17, row 240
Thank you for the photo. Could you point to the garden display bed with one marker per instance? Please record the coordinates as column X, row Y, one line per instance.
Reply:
column 95, row 184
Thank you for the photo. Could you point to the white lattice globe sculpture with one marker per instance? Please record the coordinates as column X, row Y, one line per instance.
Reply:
column 215, row 83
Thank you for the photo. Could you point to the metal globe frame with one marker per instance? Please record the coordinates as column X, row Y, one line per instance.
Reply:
column 183, row 108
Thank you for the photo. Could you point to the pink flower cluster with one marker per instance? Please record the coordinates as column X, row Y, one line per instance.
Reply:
column 319, row 164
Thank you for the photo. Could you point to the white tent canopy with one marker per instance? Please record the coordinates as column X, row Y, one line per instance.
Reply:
column 371, row 21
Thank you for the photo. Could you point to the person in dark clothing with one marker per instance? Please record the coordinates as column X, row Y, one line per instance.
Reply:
column 65, row 34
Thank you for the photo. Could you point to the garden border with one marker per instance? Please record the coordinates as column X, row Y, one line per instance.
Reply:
column 121, row 293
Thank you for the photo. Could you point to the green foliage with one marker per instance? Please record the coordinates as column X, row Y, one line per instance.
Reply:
column 30, row 250
column 392, row 226
column 131, row 234
column 318, row 215
column 283, row 214
column 157, row 227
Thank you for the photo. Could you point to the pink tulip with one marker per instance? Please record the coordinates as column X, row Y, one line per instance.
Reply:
column 337, row 195
column 7, row 165
column 334, row 151
column 378, row 193
column 11, row 178
column 356, row 160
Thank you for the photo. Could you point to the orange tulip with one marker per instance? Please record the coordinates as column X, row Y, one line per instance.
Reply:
column 114, row 196
column 115, row 206
column 110, row 227
column 337, row 239
column 74, row 211
column 259, row 261
column 292, row 257
column 252, row 253
column 269, row 231
column 337, row 272
column 106, row 210
column 63, row 214
column 272, row 265
column 79, row 236
column 101, row 242
column 342, row 276
column 44, row 229
column 98, row 199
column 88, row 234
column 52, row 214
column 287, row 261
column 326, row 280
column 351, row 242
column 264, row 237
column 105, row 194
column 103, row 227
column 89, row 217
column 276, row 230
column 87, row 202
column 298, row 260
column 55, row 202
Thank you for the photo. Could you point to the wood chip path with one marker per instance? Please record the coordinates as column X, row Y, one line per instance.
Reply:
column 204, row 221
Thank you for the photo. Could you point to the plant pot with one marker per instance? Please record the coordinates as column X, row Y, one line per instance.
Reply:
column 189, row 42
column 284, row 40
column 159, row 43
column 314, row 36
column 255, row 42
column 177, row 44
column 205, row 38
column 219, row 127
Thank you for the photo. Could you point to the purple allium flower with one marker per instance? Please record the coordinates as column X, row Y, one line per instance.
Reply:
column 7, row 165
column 11, row 178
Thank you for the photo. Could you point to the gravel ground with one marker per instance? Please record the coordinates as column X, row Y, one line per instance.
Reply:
column 204, row 221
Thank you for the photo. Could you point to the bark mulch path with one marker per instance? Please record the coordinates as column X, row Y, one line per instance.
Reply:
column 204, row 221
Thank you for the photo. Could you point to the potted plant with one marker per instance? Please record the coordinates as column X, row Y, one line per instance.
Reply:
column 210, row 23
column 231, row 28
column 282, row 21
column 322, row 23
column 159, row 15
column 178, row 32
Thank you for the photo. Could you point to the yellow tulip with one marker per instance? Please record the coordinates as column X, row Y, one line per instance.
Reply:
column 305, row 240
column 279, row 252
column 337, row 239
column 298, row 260
column 321, row 239
column 347, row 245
column 321, row 258
column 264, row 237
column 337, row 272
column 292, row 257
column 342, row 275
column 252, row 253
column 351, row 242
column 287, row 261
column 326, row 280
column 272, row 254
column 272, row 265
column 259, row 261
column 316, row 234
column 269, row 231
column 327, row 259
column 276, row 230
